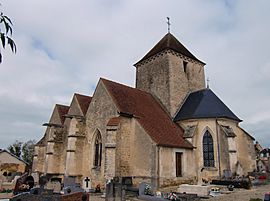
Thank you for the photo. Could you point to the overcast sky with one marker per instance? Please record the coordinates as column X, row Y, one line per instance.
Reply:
column 65, row 46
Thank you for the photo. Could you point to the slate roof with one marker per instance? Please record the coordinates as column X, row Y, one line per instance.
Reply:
column 83, row 101
column 62, row 110
column 148, row 112
column 204, row 104
column 169, row 42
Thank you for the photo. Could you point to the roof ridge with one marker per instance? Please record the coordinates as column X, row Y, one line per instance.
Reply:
column 134, row 88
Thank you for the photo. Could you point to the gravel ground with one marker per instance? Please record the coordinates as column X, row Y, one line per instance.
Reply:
column 243, row 195
column 236, row 195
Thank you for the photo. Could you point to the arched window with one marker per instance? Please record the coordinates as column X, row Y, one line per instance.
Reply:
column 208, row 150
column 98, row 150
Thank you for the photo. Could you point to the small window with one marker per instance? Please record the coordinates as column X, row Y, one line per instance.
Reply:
column 178, row 163
column 185, row 66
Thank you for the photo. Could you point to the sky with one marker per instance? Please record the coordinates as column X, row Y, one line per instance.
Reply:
column 65, row 46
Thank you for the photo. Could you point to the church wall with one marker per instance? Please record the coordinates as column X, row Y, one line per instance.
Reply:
column 167, row 78
column 143, row 155
column 246, row 152
column 167, row 166
column 39, row 159
column 100, row 110
column 231, row 149
column 123, row 147
column 183, row 79
column 153, row 77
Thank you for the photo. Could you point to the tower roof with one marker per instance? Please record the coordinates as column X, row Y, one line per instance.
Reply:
column 204, row 104
column 169, row 42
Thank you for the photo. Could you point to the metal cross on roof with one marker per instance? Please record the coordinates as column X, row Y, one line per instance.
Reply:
column 208, row 81
column 169, row 24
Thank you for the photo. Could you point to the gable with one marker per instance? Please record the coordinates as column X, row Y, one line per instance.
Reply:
column 148, row 112
column 83, row 102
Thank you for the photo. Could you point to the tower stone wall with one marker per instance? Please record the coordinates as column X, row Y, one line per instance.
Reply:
column 170, row 76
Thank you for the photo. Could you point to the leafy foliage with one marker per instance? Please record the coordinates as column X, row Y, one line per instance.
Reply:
column 25, row 151
column 16, row 148
column 6, row 33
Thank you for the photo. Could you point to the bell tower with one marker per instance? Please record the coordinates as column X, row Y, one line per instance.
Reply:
column 169, row 72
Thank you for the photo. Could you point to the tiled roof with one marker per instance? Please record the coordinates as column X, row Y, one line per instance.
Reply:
column 62, row 110
column 148, row 112
column 169, row 42
column 83, row 101
column 113, row 121
column 204, row 104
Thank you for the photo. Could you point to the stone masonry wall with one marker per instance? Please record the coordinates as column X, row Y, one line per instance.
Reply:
column 168, row 80
column 100, row 111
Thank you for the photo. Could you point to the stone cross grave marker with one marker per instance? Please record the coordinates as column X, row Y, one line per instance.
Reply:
column 86, row 184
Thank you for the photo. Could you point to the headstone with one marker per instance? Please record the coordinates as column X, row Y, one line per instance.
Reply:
column 227, row 174
column 109, row 191
column 145, row 189
column 54, row 185
column 69, row 181
column 35, row 176
column 86, row 184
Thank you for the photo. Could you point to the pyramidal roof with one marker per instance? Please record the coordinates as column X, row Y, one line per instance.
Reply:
column 204, row 104
column 169, row 42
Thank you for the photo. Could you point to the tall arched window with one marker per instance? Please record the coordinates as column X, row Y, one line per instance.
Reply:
column 98, row 150
column 208, row 150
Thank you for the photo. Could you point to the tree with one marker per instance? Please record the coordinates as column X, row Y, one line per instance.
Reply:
column 6, row 33
column 16, row 148
column 24, row 151
column 28, row 149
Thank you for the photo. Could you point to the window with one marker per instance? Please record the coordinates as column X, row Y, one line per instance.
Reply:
column 98, row 150
column 178, row 163
column 185, row 66
column 208, row 150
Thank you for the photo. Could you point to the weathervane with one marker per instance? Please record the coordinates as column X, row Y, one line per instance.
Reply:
column 169, row 24
column 208, row 81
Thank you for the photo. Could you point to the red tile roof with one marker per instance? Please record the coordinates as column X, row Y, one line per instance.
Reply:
column 113, row 121
column 83, row 101
column 149, row 113
column 62, row 110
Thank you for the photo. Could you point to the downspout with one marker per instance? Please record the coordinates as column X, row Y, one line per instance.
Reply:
column 219, row 170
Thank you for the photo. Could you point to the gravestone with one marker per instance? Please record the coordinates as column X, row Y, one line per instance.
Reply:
column 54, row 185
column 69, row 181
column 86, row 184
column 143, row 188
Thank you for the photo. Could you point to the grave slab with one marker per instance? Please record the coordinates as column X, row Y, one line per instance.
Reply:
column 194, row 189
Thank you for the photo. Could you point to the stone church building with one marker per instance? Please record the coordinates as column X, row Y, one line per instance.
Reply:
column 169, row 129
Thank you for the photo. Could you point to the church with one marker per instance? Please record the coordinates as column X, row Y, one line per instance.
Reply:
column 167, row 130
